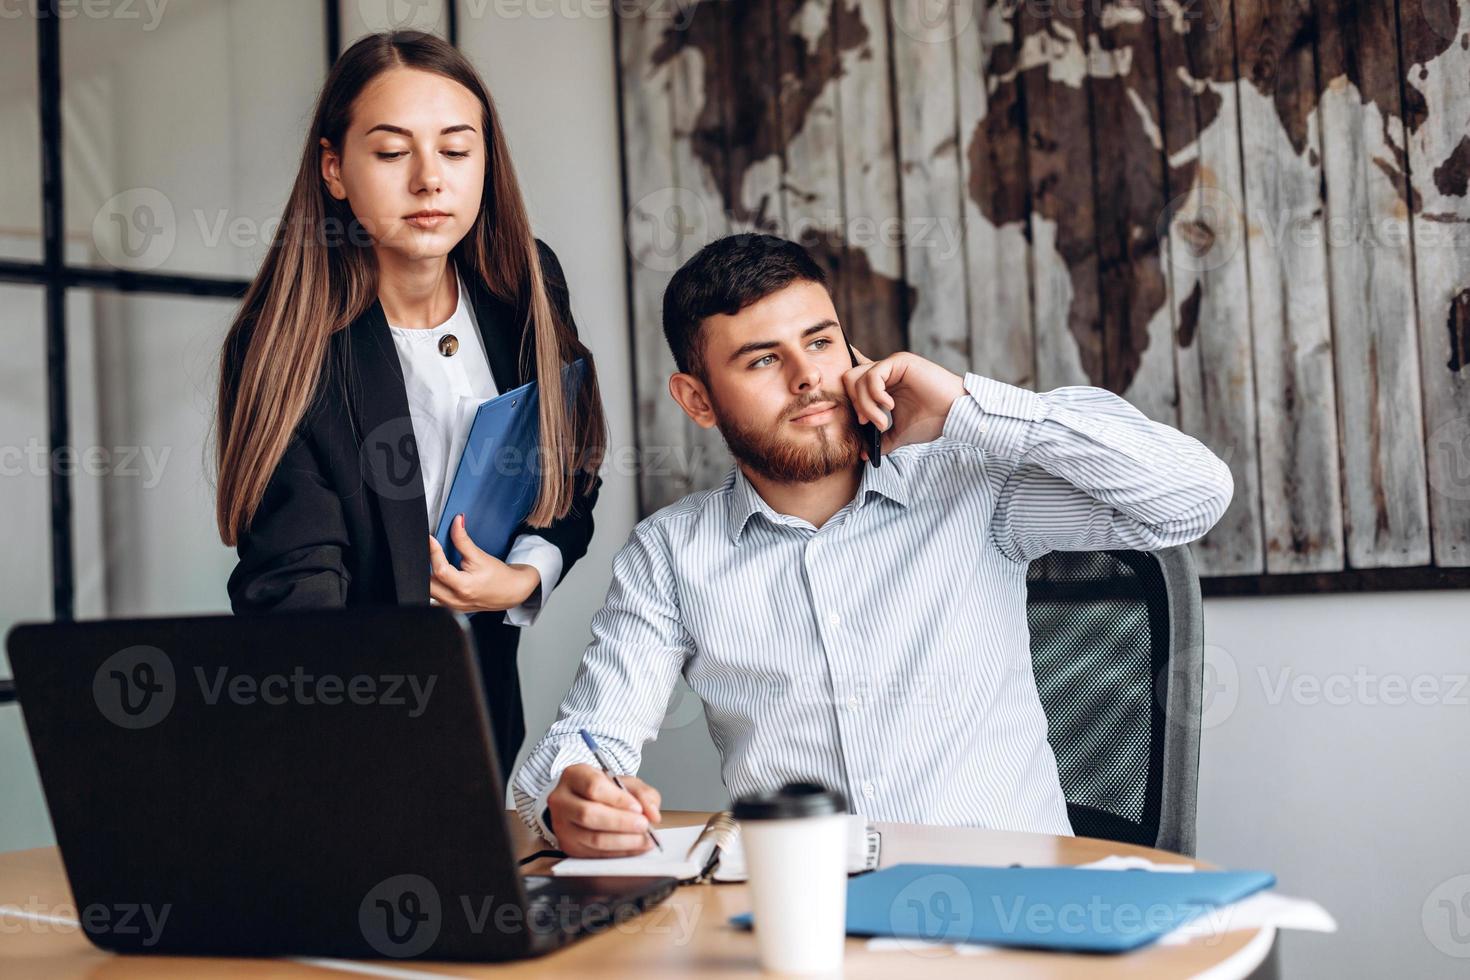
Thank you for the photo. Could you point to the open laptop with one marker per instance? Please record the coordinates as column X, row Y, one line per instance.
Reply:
column 318, row 784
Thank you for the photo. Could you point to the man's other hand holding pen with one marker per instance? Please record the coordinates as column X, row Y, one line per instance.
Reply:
column 593, row 817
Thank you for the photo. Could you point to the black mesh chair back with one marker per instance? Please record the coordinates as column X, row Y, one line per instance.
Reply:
column 1117, row 651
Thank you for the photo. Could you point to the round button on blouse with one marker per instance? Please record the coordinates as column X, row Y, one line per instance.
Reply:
column 448, row 344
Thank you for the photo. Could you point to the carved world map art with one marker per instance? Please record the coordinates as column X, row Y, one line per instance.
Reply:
column 1248, row 218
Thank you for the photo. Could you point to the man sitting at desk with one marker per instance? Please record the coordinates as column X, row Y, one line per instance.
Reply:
column 861, row 627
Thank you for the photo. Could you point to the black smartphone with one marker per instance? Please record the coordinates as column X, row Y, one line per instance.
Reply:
column 872, row 438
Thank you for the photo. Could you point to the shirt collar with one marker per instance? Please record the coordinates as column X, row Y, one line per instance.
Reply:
column 745, row 501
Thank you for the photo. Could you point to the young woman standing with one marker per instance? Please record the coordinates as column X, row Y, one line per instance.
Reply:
column 403, row 287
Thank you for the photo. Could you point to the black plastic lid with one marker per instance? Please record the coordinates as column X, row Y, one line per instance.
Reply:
column 791, row 800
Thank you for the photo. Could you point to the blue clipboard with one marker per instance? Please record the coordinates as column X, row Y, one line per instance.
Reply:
column 499, row 471
column 1071, row 909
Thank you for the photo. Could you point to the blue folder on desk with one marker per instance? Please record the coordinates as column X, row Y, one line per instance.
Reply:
column 499, row 471
column 1071, row 909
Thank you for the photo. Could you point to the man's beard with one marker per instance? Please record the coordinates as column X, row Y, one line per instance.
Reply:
column 764, row 449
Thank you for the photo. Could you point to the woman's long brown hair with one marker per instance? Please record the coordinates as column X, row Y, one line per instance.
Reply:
column 321, row 275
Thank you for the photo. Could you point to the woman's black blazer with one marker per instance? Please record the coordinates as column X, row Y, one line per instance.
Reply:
column 343, row 520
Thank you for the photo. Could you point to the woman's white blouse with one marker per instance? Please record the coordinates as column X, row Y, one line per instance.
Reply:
column 443, row 394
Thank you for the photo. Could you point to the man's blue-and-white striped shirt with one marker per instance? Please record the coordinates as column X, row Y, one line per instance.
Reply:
column 885, row 654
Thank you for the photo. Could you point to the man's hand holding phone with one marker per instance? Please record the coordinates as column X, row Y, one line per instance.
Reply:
column 907, row 397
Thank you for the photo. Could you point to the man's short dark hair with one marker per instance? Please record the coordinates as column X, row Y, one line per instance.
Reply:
column 726, row 276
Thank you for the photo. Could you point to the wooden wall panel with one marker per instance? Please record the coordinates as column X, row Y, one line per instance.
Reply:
column 806, row 111
column 1209, row 289
column 1131, row 192
column 1301, row 484
column 875, row 296
column 1050, row 72
column 657, row 220
column 1435, row 45
column 996, row 199
column 1249, row 218
column 675, row 207
column 929, row 179
column 746, row 148
column 1375, row 330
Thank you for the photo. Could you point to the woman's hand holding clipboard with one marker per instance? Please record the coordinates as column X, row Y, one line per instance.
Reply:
column 482, row 582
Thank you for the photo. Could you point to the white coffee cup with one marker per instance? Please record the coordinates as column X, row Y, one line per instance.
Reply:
column 795, row 843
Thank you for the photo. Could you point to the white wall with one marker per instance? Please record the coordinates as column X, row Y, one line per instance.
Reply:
column 1335, row 756
column 1360, row 804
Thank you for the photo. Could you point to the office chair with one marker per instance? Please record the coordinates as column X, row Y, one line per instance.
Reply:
column 1117, row 647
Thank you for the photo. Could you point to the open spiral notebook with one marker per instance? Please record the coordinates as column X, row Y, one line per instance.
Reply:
column 712, row 853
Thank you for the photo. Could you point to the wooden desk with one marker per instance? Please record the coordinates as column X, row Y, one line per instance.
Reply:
column 685, row 936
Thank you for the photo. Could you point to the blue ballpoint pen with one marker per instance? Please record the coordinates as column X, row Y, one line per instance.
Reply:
column 597, row 754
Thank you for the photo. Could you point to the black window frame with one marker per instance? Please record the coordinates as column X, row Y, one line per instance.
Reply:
column 56, row 277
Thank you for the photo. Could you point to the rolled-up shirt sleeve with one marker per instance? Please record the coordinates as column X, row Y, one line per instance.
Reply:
column 1080, row 469
column 621, row 691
